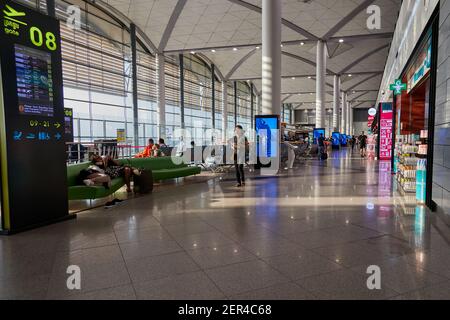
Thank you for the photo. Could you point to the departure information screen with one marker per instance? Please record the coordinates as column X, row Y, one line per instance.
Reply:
column 34, row 81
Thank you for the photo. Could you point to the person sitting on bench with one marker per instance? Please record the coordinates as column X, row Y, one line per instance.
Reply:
column 148, row 151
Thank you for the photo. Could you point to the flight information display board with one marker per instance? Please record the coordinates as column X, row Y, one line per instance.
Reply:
column 32, row 120
column 34, row 81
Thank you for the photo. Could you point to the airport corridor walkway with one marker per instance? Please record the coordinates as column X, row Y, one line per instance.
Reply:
column 309, row 233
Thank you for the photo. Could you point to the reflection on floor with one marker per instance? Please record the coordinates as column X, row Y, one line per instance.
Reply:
column 310, row 233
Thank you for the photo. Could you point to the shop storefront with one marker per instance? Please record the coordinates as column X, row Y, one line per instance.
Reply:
column 413, row 119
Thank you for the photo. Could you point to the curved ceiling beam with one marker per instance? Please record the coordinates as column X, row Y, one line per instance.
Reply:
column 306, row 76
column 113, row 11
column 359, row 37
column 312, row 63
column 210, row 62
column 287, row 97
column 359, row 60
column 362, row 81
column 171, row 25
column 359, row 96
column 347, row 19
column 357, row 105
column 285, row 22
column 239, row 63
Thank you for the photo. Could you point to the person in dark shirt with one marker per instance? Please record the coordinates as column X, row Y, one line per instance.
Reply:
column 240, row 148
column 362, row 144
column 321, row 144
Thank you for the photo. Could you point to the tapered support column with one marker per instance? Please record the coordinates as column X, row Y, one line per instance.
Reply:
column 350, row 119
column 336, row 103
column 259, row 104
column 161, row 95
column 135, row 84
column 271, row 57
column 344, row 113
column 224, row 110
column 320, row 84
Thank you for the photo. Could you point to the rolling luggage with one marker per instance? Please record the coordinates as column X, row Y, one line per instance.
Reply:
column 143, row 183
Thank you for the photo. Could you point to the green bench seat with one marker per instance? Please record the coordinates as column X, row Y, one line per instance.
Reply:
column 162, row 169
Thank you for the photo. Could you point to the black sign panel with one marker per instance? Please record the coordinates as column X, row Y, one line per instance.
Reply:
column 33, row 119
column 68, row 125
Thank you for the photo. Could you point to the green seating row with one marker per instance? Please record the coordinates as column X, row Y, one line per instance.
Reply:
column 163, row 168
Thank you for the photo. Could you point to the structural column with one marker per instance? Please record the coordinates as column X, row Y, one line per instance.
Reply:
column 336, row 102
column 271, row 57
column 213, row 95
column 292, row 115
column 134, row 81
column 224, row 110
column 181, row 59
column 344, row 113
column 258, row 104
column 161, row 95
column 252, row 105
column 320, row 84
column 350, row 118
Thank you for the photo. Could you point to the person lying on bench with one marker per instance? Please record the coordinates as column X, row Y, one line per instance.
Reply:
column 114, row 169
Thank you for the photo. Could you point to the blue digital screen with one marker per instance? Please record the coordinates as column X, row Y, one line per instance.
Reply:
column 317, row 133
column 336, row 137
column 343, row 139
column 267, row 131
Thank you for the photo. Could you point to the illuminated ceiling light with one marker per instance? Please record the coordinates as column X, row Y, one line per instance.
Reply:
column 281, row 45
column 213, row 50
column 302, row 43
column 192, row 52
column 258, row 47
column 341, row 40
column 293, row 78
column 235, row 49
column 309, row 77
column 349, row 75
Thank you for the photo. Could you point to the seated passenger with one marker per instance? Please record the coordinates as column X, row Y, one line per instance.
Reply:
column 147, row 151
column 162, row 143
column 113, row 169
column 156, row 151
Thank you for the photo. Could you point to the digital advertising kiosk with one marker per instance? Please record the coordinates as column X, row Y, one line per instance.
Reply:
column 32, row 121
column 268, row 139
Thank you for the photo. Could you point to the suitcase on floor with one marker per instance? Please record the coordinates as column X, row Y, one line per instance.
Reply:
column 143, row 183
column 324, row 156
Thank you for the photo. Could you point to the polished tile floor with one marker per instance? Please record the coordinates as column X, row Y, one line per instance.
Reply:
column 309, row 233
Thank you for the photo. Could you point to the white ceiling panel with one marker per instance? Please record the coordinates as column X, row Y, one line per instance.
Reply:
column 224, row 24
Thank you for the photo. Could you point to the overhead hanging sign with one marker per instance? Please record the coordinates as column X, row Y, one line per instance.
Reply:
column 32, row 119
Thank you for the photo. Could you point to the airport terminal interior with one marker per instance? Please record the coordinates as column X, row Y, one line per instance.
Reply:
column 225, row 150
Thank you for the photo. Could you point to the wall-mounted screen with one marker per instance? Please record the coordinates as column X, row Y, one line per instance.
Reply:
column 34, row 81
